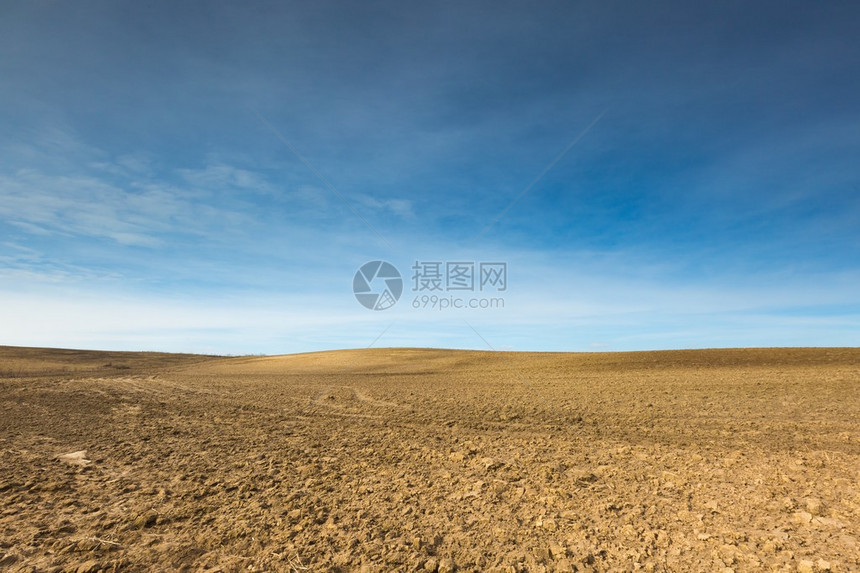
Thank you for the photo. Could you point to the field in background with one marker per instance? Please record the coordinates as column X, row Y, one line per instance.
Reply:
column 431, row 460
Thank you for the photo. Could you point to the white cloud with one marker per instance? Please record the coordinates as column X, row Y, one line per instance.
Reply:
column 122, row 201
column 402, row 208
column 220, row 177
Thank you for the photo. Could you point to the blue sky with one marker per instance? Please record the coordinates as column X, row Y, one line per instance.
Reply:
column 148, row 200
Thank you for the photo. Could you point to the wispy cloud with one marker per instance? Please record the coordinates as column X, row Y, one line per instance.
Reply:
column 72, row 205
column 123, row 200
column 141, row 214
column 225, row 178
column 400, row 207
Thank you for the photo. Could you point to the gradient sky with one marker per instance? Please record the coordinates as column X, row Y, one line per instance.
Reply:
column 150, row 198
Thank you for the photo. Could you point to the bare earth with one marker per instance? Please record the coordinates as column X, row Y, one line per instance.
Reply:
column 423, row 460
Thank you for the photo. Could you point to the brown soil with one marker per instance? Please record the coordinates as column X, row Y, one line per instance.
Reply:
column 423, row 460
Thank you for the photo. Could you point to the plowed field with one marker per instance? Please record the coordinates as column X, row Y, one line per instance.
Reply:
column 431, row 460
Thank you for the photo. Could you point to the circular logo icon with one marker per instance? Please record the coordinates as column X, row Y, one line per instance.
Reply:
column 377, row 285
